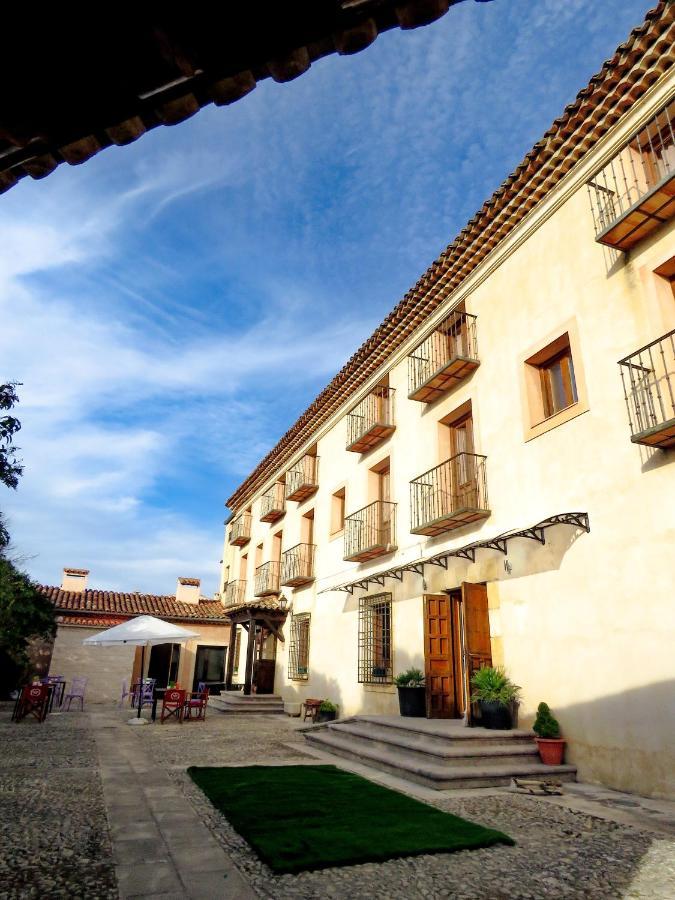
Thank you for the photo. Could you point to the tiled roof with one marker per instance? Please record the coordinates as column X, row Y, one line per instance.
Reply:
column 635, row 66
column 70, row 571
column 106, row 603
column 263, row 603
column 195, row 582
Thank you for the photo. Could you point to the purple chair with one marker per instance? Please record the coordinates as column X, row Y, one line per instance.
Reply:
column 76, row 691
column 147, row 692
column 126, row 692
column 58, row 685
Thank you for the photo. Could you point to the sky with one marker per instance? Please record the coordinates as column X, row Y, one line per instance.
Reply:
column 172, row 306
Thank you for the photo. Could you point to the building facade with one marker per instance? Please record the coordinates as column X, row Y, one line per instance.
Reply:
column 491, row 477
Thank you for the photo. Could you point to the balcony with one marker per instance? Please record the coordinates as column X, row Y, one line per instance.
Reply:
column 267, row 579
column 297, row 565
column 372, row 421
column 449, row 496
column 301, row 479
column 446, row 357
column 370, row 532
column 635, row 192
column 235, row 593
column 240, row 532
column 273, row 503
column 648, row 377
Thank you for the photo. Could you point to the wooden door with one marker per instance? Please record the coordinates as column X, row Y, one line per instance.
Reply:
column 442, row 656
column 465, row 485
column 384, row 495
column 477, row 648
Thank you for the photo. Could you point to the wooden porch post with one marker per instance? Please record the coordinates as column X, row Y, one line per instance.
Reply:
column 250, row 649
column 230, row 657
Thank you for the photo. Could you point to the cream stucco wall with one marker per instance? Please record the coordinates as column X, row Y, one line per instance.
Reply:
column 586, row 622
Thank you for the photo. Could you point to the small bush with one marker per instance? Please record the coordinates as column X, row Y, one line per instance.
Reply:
column 410, row 678
column 492, row 683
column 327, row 706
column 546, row 725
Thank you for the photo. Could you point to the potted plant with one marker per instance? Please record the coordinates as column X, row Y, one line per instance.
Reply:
column 551, row 745
column 495, row 694
column 412, row 695
column 327, row 712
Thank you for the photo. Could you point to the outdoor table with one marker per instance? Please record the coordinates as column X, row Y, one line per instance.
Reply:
column 157, row 694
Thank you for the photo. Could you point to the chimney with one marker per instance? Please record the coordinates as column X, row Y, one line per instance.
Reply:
column 187, row 590
column 74, row 580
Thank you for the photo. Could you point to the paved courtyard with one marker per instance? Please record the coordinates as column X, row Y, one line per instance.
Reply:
column 94, row 808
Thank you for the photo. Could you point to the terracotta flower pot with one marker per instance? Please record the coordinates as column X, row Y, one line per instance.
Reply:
column 551, row 750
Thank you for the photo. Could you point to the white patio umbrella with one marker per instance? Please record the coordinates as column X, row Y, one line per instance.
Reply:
column 143, row 631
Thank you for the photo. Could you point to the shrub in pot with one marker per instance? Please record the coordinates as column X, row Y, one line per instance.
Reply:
column 551, row 745
column 412, row 694
column 327, row 712
column 495, row 695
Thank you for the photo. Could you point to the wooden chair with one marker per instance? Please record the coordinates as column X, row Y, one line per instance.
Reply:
column 195, row 706
column 173, row 704
column 311, row 709
column 34, row 700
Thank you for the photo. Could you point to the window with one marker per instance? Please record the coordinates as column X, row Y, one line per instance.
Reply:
column 307, row 527
column 337, row 512
column 554, row 387
column 375, row 663
column 558, row 387
column 298, row 648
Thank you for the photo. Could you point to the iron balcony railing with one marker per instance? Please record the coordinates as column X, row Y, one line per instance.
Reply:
column 648, row 377
column 301, row 479
column 370, row 531
column 297, row 565
column 633, row 194
column 240, row 532
column 371, row 421
column 450, row 495
column 235, row 593
column 443, row 359
column 273, row 503
column 267, row 579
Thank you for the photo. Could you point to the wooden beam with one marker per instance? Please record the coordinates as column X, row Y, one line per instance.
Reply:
column 229, row 670
column 250, row 647
column 273, row 627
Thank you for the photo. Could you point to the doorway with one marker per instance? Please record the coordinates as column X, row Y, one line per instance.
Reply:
column 209, row 665
column 163, row 664
column 265, row 661
column 456, row 644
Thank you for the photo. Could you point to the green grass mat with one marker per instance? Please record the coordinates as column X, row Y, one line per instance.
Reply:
column 312, row 817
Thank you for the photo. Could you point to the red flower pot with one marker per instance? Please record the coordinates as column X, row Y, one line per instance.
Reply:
column 551, row 750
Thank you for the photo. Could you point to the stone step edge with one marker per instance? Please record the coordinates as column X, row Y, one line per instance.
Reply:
column 247, row 698
column 467, row 752
column 436, row 773
column 461, row 734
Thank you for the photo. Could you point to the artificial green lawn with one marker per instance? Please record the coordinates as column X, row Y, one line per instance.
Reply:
column 313, row 817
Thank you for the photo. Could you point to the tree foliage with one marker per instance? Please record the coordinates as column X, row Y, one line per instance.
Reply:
column 10, row 468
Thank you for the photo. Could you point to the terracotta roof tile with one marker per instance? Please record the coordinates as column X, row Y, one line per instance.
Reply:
column 108, row 603
column 636, row 65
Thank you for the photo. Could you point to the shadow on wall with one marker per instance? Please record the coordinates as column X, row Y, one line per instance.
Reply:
column 625, row 740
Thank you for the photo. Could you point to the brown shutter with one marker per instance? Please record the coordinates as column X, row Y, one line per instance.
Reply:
column 477, row 648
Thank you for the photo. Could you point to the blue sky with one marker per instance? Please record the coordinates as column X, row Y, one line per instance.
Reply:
column 172, row 306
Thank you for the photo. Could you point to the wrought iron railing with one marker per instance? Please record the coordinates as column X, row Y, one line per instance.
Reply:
column 648, row 377
column 240, row 530
column 375, row 410
column 645, row 163
column 267, row 579
column 273, row 503
column 297, row 564
column 302, row 477
column 370, row 531
column 235, row 592
column 447, row 491
column 454, row 338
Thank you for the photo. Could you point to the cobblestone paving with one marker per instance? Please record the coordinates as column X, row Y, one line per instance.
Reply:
column 54, row 838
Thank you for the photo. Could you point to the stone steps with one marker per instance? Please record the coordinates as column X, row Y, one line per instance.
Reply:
column 430, row 755
column 236, row 702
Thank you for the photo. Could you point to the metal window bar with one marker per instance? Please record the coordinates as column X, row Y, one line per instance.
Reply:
column 267, row 578
column 235, row 593
column 298, row 563
column 298, row 647
column 375, row 640
column 457, row 484
column 648, row 378
column 640, row 167
column 241, row 527
column 455, row 338
column 375, row 409
column 302, row 473
column 369, row 528
column 273, row 500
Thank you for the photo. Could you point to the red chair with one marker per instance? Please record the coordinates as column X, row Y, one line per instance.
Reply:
column 173, row 703
column 34, row 700
column 195, row 706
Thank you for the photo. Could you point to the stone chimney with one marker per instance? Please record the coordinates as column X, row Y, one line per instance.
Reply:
column 187, row 590
column 74, row 580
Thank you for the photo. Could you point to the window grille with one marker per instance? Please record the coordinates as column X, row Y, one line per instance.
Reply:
column 298, row 648
column 375, row 663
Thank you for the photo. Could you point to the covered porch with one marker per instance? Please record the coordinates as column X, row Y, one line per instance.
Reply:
column 263, row 622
